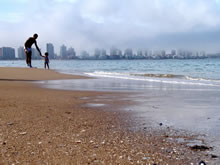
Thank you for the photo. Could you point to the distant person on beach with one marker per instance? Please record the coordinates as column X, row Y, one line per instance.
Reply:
column 27, row 48
column 46, row 61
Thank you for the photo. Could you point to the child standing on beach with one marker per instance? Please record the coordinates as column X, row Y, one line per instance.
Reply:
column 46, row 60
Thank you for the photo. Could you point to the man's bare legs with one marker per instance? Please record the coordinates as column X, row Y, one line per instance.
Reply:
column 28, row 58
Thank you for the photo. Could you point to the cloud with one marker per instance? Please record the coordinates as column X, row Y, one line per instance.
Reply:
column 86, row 24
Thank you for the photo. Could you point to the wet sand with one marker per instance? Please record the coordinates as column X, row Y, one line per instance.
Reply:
column 39, row 126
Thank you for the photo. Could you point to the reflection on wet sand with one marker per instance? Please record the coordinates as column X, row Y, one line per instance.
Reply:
column 188, row 107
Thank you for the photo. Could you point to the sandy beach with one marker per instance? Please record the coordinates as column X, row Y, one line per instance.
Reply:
column 46, row 126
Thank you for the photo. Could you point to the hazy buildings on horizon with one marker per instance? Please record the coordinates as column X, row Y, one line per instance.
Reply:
column 7, row 53
column 100, row 54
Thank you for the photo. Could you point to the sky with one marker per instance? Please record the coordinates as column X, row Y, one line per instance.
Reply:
column 90, row 24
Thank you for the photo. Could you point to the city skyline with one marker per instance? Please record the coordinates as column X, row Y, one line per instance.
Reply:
column 8, row 53
column 128, row 24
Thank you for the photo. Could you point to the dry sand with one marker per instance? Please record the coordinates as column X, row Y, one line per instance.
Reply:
column 44, row 126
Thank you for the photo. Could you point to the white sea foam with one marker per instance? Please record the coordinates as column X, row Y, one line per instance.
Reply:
column 175, row 79
column 201, row 79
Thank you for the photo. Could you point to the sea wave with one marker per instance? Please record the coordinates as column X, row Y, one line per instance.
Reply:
column 158, row 75
column 176, row 76
column 201, row 79
column 161, row 78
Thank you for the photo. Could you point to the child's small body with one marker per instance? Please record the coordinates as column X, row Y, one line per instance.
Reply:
column 46, row 61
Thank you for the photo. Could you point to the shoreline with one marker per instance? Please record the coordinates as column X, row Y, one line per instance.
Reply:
column 41, row 125
column 33, row 74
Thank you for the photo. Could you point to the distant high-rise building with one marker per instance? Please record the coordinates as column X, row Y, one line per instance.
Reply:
column 71, row 54
column 63, row 52
column 119, row 53
column 7, row 53
column 147, row 54
column 115, row 53
column 173, row 52
column 103, row 55
column 50, row 50
column 163, row 54
column 103, row 52
column 97, row 53
column 21, row 53
column 128, row 53
column 1, row 54
column 140, row 54
column 84, row 54
column 202, row 54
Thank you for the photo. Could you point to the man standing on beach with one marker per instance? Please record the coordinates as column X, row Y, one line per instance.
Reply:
column 27, row 48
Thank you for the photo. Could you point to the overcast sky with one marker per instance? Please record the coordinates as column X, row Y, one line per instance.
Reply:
column 89, row 24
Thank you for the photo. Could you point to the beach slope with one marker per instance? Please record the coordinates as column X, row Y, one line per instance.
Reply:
column 45, row 126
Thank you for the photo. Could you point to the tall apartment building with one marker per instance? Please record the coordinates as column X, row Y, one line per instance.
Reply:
column 128, row 53
column 71, row 54
column 50, row 50
column 1, row 54
column 21, row 53
column 103, row 55
column 63, row 52
column 97, row 53
column 7, row 53
column 84, row 55
column 115, row 53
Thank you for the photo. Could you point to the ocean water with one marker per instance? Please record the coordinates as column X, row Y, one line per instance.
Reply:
column 200, row 71
column 182, row 94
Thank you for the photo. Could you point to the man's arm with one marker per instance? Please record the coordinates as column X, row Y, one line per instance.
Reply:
column 37, row 48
